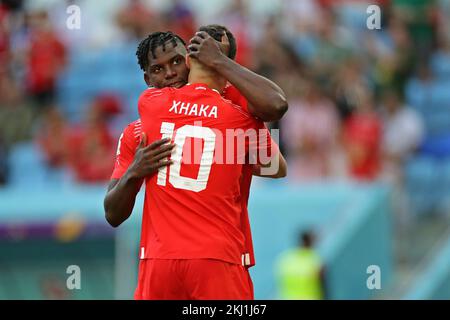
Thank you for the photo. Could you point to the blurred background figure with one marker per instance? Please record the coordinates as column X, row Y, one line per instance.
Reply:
column 310, row 130
column 300, row 271
column 16, row 113
column 181, row 20
column 362, row 134
column 3, row 164
column 45, row 58
column 52, row 137
column 136, row 19
column 403, row 134
column 92, row 142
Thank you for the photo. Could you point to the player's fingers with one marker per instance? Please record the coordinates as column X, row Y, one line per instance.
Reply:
column 143, row 141
column 193, row 54
column 157, row 143
column 162, row 155
column 225, row 40
column 163, row 163
column 164, row 148
column 196, row 40
column 193, row 48
column 150, row 153
column 202, row 34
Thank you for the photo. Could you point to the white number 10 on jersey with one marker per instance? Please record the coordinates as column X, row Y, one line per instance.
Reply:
column 188, row 131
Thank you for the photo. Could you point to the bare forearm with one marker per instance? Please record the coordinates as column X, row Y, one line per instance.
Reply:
column 121, row 196
column 281, row 170
column 267, row 101
column 120, row 199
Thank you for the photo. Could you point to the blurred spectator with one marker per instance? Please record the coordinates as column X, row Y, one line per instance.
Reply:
column 421, row 19
column 137, row 20
column 46, row 57
column 362, row 137
column 3, row 163
column 52, row 137
column 333, row 44
column 4, row 38
column 418, row 91
column 92, row 145
column 348, row 87
column 403, row 132
column 300, row 16
column 271, row 49
column 310, row 133
column 300, row 271
column 16, row 116
column 181, row 20
column 440, row 60
column 394, row 56
column 236, row 17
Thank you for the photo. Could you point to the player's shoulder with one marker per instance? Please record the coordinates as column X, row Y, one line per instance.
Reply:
column 231, row 93
column 133, row 130
column 197, row 89
column 237, row 109
column 154, row 93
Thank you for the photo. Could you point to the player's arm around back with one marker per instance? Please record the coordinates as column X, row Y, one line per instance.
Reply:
column 121, row 195
column 266, row 100
column 281, row 171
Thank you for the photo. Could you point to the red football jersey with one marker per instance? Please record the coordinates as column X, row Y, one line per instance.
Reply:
column 246, row 180
column 193, row 209
column 126, row 148
column 129, row 140
column 131, row 135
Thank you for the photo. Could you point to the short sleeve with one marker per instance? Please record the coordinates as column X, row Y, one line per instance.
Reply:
column 262, row 149
column 234, row 95
column 126, row 148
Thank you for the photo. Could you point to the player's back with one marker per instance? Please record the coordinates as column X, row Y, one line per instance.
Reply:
column 193, row 207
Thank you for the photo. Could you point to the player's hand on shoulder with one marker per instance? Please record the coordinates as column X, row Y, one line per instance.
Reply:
column 149, row 158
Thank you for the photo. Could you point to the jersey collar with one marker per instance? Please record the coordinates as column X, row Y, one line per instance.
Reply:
column 200, row 84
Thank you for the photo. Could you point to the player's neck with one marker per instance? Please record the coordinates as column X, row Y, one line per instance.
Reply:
column 213, row 81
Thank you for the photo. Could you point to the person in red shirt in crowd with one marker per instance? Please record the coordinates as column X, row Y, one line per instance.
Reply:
column 362, row 134
column 181, row 20
column 52, row 137
column 45, row 59
column 191, row 227
column 265, row 100
column 4, row 38
column 136, row 19
column 92, row 142
column 236, row 16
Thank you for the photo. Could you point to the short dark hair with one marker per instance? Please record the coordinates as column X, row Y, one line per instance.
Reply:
column 216, row 31
column 153, row 41
column 306, row 238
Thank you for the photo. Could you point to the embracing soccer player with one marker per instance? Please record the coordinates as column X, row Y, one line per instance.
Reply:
column 192, row 244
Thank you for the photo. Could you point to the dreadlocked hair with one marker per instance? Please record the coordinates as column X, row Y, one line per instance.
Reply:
column 153, row 41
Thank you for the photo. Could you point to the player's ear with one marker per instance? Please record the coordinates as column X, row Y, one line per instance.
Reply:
column 147, row 79
column 188, row 61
